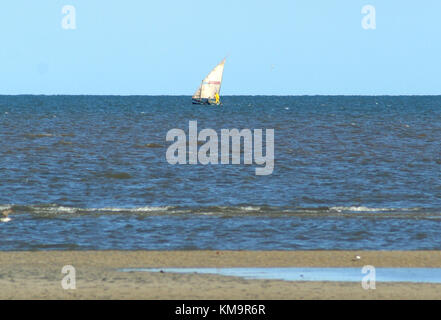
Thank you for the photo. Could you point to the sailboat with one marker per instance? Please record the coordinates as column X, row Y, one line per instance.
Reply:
column 208, row 91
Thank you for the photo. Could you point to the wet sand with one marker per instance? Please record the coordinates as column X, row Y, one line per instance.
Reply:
column 37, row 275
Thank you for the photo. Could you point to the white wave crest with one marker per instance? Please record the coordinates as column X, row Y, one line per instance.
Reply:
column 250, row 208
column 5, row 207
column 138, row 209
column 360, row 209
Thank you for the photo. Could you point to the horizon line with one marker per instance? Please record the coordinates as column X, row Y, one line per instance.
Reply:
column 232, row 95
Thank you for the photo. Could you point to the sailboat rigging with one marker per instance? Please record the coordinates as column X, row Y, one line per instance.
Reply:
column 209, row 90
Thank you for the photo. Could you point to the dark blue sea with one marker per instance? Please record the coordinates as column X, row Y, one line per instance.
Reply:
column 350, row 172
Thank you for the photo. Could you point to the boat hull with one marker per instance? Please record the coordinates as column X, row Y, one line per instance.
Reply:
column 204, row 102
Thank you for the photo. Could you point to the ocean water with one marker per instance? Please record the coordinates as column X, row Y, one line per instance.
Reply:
column 418, row 275
column 350, row 172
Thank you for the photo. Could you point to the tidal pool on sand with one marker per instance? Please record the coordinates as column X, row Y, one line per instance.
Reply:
column 420, row 275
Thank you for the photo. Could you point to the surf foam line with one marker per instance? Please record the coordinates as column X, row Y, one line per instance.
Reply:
column 239, row 210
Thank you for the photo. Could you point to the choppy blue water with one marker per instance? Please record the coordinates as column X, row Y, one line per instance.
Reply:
column 90, row 172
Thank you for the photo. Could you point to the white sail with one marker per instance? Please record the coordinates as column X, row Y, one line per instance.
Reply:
column 211, row 84
column 197, row 94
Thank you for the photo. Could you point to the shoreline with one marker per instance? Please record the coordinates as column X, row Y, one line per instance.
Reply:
column 37, row 275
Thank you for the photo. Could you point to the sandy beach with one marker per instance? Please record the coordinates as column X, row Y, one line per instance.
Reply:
column 37, row 275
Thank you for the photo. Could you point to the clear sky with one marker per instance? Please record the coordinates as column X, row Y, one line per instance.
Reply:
column 291, row 47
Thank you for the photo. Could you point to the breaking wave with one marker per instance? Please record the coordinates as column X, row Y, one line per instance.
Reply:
column 248, row 210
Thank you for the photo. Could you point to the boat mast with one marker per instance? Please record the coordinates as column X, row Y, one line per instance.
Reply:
column 220, row 85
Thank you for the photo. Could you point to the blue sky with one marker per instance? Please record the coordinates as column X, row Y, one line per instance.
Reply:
column 292, row 47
